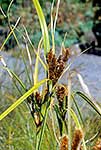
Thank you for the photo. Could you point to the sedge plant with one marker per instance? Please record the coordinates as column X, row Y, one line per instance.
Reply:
column 51, row 106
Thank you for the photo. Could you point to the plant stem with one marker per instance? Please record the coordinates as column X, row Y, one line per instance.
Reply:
column 42, row 130
column 69, row 116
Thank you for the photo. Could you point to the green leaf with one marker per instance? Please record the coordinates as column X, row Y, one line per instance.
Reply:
column 41, row 61
column 21, row 99
column 92, row 104
column 43, row 26
column 13, row 75
column 36, row 63
column 59, row 119
column 11, row 32
column 72, row 113
column 78, row 109
column 38, row 145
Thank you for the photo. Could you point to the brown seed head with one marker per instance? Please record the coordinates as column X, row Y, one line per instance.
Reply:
column 51, row 61
column 61, row 92
column 97, row 145
column 64, row 143
column 38, row 98
column 77, row 138
column 51, row 58
column 59, row 69
column 66, row 54
column 56, row 66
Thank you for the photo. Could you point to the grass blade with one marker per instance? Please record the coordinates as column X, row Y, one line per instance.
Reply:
column 92, row 104
column 3, row 13
column 52, row 29
column 36, row 63
column 57, row 10
column 69, row 116
column 43, row 26
column 72, row 113
column 21, row 99
column 79, row 112
column 53, row 124
column 23, row 58
column 41, row 61
column 11, row 32
column 12, row 74
column 43, row 128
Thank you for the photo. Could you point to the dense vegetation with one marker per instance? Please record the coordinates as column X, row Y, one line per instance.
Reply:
column 74, row 23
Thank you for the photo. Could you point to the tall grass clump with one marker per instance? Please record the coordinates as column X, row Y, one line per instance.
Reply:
column 56, row 119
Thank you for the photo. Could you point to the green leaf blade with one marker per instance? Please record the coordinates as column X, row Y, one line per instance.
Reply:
column 43, row 26
column 21, row 99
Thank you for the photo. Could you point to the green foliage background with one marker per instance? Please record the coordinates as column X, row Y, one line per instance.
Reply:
column 73, row 16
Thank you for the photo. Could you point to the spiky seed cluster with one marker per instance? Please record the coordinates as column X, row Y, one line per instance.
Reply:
column 97, row 145
column 61, row 92
column 35, row 103
column 64, row 143
column 65, row 54
column 76, row 142
column 51, row 61
column 38, row 98
column 77, row 138
column 56, row 65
